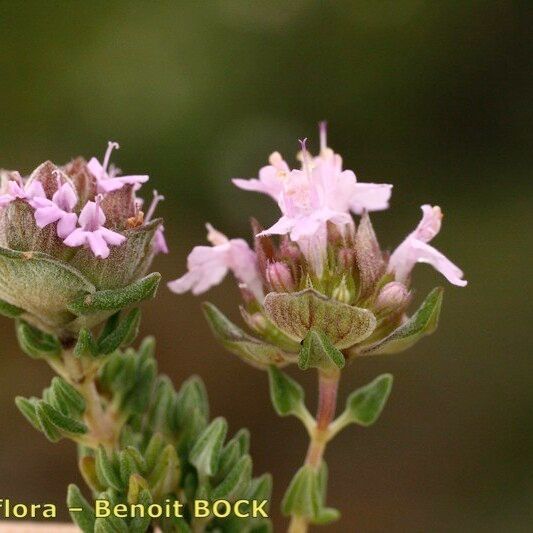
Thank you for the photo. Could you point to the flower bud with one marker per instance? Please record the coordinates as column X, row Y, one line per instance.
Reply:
column 342, row 293
column 279, row 277
column 392, row 295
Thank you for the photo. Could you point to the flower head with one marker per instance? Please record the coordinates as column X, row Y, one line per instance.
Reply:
column 325, row 271
column 107, row 180
column 60, row 239
column 415, row 249
column 208, row 265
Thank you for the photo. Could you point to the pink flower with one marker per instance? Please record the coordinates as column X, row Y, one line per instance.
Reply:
column 208, row 265
column 18, row 191
column 271, row 178
column 307, row 205
column 92, row 231
column 58, row 209
column 107, row 180
column 160, row 243
column 415, row 249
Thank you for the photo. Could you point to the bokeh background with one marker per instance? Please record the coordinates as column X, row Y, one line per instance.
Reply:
column 431, row 96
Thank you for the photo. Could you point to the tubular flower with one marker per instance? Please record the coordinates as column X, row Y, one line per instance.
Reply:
column 92, row 231
column 108, row 180
column 58, row 209
column 208, row 265
column 62, row 240
column 415, row 249
column 320, row 268
column 271, row 178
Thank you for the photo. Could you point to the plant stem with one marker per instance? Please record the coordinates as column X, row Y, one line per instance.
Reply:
column 328, row 386
column 103, row 424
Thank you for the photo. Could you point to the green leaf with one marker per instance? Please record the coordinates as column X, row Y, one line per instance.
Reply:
column 85, row 345
column 319, row 352
column 205, row 455
column 364, row 405
column 191, row 395
column 302, row 497
column 62, row 422
column 28, row 408
column 298, row 312
column 40, row 285
column 106, row 471
column 306, row 494
column 85, row 518
column 286, row 394
column 236, row 482
column 423, row 322
column 153, row 450
column 123, row 334
column 11, row 311
column 110, row 524
column 141, row 524
column 165, row 476
column 251, row 350
column 68, row 396
column 36, row 343
column 115, row 299
column 87, row 467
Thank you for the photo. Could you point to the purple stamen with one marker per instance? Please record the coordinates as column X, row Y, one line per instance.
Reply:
column 151, row 210
column 323, row 129
column 111, row 145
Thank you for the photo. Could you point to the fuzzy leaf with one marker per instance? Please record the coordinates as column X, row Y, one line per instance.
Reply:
column 35, row 342
column 422, row 323
column 86, row 345
column 297, row 313
column 364, row 405
column 286, row 394
column 114, row 299
column 318, row 352
column 302, row 497
column 85, row 518
column 123, row 334
column 236, row 482
column 235, row 340
column 68, row 395
column 41, row 285
column 106, row 471
column 110, row 524
column 205, row 455
column 62, row 422
column 28, row 408
column 141, row 524
column 87, row 466
column 306, row 494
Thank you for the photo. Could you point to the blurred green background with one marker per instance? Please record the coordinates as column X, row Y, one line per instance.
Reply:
column 431, row 96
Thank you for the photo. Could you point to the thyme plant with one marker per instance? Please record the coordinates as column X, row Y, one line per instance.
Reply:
column 75, row 254
column 320, row 296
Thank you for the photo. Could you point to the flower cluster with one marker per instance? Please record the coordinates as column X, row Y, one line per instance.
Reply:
column 324, row 261
column 80, row 219
column 71, row 230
